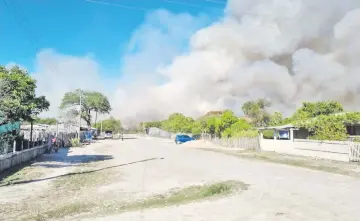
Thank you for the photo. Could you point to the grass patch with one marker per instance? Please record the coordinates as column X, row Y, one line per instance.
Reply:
column 22, row 172
column 83, row 177
column 67, row 210
column 331, row 166
column 189, row 194
column 174, row 197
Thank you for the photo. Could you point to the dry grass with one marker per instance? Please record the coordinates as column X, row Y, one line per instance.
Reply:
column 174, row 197
column 68, row 192
column 344, row 168
column 18, row 173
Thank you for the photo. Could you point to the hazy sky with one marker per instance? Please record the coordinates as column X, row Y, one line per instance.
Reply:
column 156, row 57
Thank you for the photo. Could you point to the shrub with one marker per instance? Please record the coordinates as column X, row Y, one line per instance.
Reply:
column 75, row 142
column 268, row 134
column 246, row 133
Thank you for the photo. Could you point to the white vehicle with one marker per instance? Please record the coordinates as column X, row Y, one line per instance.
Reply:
column 108, row 135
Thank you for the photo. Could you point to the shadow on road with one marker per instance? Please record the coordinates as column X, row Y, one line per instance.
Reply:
column 55, row 160
column 83, row 172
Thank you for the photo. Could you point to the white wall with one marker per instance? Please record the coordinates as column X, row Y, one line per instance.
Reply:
column 333, row 150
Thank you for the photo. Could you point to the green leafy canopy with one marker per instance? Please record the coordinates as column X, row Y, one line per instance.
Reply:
column 18, row 99
column 91, row 102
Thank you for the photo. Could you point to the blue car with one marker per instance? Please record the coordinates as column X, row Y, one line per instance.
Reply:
column 182, row 139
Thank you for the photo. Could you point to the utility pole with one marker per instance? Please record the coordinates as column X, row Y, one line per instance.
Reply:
column 101, row 127
column 80, row 111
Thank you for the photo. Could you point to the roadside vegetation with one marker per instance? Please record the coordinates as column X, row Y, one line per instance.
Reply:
column 21, row 172
column 325, row 120
column 173, row 197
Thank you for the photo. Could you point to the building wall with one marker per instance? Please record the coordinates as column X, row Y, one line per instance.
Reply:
column 332, row 150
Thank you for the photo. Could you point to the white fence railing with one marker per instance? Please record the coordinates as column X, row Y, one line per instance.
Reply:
column 354, row 152
column 16, row 158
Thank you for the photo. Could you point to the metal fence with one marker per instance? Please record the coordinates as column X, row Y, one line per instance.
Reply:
column 241, row 143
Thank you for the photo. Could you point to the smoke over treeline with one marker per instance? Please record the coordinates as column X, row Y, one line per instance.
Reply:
column 287, row 51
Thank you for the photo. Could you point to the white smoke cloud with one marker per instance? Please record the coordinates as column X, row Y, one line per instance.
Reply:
column 288, row 51
column 57, row 74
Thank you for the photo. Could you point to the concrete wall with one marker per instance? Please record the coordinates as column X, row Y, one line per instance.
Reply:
column 13, row 159
column 332, row 150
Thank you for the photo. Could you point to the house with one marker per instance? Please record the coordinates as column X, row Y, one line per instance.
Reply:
column 290, row 132
column 284, row 132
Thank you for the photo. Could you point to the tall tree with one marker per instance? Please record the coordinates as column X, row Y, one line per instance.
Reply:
column 91, row 101
column 314, row 109
column 110, row 124
column 276, row 119
column 256, row 111
column 18, row 100
column 227, row 119
column 178, row 123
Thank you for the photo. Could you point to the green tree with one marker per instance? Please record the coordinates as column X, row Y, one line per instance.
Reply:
column 91, row 102
column 314, row 109
column 178, row 123
column 18, row 100
column 256, row 111
column 276, row 119
column 329, row 127
column 49, row 121
column 110, row 124
column 227, row 119
column 213, row 125
column 237, row 129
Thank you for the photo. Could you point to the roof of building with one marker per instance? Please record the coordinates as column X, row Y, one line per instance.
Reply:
column 282, row 127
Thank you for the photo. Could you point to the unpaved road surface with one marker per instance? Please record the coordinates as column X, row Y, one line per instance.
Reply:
column 147, row 166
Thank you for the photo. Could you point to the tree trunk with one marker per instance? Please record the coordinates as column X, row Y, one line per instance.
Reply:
column 96, row 116
column 88, row 119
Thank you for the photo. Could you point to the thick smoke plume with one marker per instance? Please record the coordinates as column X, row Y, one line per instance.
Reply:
column 288, row 51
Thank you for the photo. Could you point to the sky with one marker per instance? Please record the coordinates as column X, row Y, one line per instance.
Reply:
column 78, row 27
column 152, row 58
column 102, row 35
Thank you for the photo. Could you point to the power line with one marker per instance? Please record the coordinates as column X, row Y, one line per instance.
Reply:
column 118, row 5
column 192, row 5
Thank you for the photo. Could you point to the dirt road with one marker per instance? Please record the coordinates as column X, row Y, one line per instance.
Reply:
column 139, row 168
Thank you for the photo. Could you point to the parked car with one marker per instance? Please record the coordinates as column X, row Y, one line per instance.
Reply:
column 108, row 135
column 179, row 139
